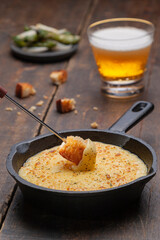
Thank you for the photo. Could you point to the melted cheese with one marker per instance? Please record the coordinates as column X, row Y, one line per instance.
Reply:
column 114, row 167
column 88, row 160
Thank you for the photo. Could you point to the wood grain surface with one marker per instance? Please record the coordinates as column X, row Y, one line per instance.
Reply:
column 17, row 219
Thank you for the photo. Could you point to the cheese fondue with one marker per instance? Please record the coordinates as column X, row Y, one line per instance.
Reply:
column 114, row 167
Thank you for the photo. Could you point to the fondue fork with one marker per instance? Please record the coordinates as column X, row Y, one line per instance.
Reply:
column 3, row 93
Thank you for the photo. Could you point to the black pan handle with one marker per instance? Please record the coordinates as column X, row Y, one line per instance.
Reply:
column 130, row 118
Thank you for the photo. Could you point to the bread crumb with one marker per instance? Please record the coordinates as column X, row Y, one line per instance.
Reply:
column 39, row 114
column 45, row 97
column 94, row 125
column 18, row 113
column 32, row 109
column 95, row 108
column 75, row 112
column 78, row 95
column 9, row 109
column 40, row 103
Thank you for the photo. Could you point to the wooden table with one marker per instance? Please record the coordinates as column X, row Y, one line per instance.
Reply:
column 19, row 222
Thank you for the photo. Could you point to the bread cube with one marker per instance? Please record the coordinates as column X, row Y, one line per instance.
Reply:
column 73, row 149
column 58, row 77
column 24, row 90
column 65, row 105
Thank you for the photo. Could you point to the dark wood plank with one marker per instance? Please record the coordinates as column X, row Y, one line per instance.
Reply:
column 142, row 220
column 150, row 132
column 84, row 78
column 113, row 109
column 14, row 128
column 24, row 222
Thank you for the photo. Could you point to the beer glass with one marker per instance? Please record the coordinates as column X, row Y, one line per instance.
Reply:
column 121, row 48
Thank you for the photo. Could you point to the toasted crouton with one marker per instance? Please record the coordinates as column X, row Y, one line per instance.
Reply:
column 79, row 151
column 58, row 77
column 24, row 90
column 73, row 149
column 65, row 105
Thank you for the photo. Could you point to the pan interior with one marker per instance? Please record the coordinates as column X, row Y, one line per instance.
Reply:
column 27, row 149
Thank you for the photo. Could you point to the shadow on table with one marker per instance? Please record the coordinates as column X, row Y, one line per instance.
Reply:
column 39, row 222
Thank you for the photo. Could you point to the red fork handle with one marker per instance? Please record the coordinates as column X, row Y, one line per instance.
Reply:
column 3, row 92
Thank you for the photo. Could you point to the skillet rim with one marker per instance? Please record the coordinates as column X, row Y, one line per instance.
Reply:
column 20, row 180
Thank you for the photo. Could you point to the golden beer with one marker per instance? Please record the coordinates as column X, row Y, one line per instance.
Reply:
column 121, row 48
column 121, row 65
column 121, row 61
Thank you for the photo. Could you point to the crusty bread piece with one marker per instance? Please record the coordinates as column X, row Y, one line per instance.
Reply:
column 24, row 90
column 65, row 105
column 73, row 149
column 58, row 77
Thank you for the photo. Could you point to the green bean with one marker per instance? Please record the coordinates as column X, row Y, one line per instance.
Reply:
column 65, row 38
column 48, row 43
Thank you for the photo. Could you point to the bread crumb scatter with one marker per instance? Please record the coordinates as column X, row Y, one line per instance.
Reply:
column 24, row 90
column 95, row 108
column 94, row 125
column 9, row 109
column 58, row 77
column 32, row 109
column 45, row 97
column 65, row 105
column 40, row 103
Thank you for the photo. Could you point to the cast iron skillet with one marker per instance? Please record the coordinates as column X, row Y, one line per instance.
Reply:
column 88, row 202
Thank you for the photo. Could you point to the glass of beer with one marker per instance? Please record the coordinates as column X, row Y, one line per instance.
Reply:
column 121, row 48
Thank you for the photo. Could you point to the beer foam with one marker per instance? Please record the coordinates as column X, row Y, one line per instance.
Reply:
column 121, row 39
